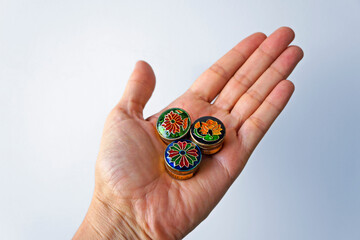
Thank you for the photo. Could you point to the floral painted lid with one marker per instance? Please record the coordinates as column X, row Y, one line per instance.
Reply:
column 173, row 124
column 208, row 131
column 182, row 155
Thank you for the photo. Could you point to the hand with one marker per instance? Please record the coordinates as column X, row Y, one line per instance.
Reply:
column 134, row 197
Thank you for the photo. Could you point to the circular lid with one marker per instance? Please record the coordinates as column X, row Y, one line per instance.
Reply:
column 182, row 155
column 173, row 124
column 208, row 130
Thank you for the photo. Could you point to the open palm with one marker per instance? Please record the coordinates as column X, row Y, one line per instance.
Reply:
column 131, row 180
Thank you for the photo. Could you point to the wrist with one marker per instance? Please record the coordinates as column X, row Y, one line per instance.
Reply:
column 104, row 221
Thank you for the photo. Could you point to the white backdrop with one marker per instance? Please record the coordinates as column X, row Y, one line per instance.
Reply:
column 64, row 64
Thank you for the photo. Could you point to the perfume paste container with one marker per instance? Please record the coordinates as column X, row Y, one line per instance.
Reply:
column 173, row 124
column 208, row 133
column 182, row 159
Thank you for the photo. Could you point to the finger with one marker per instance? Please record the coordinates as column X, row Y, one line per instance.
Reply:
column 255, row 127
column 256, row 94
column 256, row 65
column 138, row 89
column 210, row 83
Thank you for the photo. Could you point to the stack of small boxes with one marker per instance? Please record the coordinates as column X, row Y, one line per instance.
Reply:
column 182, row 155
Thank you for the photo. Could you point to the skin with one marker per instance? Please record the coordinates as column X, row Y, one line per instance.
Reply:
column 134, row 197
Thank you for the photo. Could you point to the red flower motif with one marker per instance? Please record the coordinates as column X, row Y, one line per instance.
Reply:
column 183, row 154
column 172, row 122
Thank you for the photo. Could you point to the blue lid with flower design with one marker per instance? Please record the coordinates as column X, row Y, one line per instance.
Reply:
column 182, row 155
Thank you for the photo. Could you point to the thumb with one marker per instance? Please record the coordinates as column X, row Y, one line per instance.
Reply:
column 138, row 89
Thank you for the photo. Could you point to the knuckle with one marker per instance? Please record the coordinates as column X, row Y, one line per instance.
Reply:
column 265, row 51
column 258, row 123
column 254, row 95
column 219, row 70
column 242, row 79
column 277, row 72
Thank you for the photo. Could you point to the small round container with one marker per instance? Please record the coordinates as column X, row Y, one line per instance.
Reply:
column 182, row 159
column 208, row 133
column 173, row 124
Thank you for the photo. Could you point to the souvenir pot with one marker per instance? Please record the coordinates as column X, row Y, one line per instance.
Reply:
column 208, row 133
column 182, row 159
column 173, row 124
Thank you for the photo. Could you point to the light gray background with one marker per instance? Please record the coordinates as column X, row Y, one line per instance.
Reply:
column 64, row 64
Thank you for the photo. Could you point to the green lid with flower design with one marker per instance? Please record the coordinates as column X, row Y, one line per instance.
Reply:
column 172, row 124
